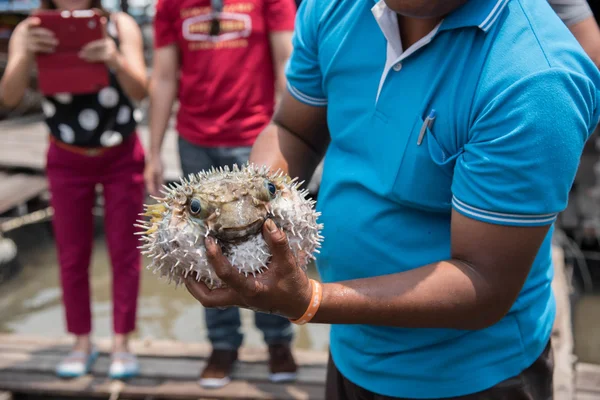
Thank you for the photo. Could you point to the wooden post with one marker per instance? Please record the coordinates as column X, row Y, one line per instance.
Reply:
column 562, row 334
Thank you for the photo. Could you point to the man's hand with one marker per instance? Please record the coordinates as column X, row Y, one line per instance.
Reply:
column 153, row 175
column 283, row 289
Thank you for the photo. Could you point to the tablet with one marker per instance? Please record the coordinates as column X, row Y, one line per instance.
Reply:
column 64, row 71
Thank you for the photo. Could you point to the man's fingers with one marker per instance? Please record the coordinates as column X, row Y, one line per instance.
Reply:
column 278, row 244
column 226, row 297
column 228, row 273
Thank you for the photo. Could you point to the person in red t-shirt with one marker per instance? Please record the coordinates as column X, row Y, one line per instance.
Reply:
column 224, row 60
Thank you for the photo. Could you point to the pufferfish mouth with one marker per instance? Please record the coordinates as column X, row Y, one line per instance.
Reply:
column 232, row 234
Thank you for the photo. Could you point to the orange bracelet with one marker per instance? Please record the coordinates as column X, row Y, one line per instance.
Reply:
column 317, row 295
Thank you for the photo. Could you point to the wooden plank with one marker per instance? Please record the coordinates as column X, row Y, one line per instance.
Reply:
column 587, row 328
column 94, row 387
column 588, row 378
column 161, row 368
column 587, row 396
column 168, row 369
column 149, row 347
column 562, row 335
column 19, row 188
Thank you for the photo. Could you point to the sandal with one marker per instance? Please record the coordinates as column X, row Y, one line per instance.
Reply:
column 76, row 364
column 123, row 366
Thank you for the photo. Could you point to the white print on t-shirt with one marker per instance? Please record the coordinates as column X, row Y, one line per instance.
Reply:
column 236, row 26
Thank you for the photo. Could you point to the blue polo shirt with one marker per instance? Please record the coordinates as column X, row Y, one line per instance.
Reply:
column 514, row 99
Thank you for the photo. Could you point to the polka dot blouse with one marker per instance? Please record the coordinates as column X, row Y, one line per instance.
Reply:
column 102, row 119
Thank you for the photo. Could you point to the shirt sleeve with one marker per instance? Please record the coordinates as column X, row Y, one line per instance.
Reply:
column 303, row 71
column 571, row 11
column 523, row 151
column 165, row 32
column 280, row 15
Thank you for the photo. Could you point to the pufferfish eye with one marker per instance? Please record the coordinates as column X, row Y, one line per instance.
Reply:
column 195, row 206
column 271, row 188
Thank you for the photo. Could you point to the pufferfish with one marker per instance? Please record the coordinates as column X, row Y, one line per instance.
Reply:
column 231, row 206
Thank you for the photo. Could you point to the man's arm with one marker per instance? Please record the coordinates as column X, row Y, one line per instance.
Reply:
column 296, row 139
column 510, row 182
column 461, row 292
column 279, row 16
column 162, row 88
column 472, row 290
column 281, row 49
column 163, row 91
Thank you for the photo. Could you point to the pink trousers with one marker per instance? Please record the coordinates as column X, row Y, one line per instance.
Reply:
column 72, row 178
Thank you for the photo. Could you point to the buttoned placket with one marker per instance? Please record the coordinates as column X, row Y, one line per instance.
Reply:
column 395, row 54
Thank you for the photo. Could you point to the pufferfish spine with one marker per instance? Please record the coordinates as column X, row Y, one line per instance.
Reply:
column 174, row 240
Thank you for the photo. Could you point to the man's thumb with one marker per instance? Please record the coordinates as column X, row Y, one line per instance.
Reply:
column 275, row 238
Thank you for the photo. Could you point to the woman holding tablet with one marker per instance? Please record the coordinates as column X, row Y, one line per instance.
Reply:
column 93, row 141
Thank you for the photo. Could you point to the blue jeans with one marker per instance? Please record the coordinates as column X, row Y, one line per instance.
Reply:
column 224, row 325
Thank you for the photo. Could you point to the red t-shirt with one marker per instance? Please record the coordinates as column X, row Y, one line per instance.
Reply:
column 227, row 83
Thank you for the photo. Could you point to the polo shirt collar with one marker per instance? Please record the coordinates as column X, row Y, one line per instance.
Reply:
column 474, row 13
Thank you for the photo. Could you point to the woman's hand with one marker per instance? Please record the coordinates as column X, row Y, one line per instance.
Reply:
column 102, row 50
column 36, row 38
column 283, row 289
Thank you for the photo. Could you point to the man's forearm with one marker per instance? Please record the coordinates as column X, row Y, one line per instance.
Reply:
column 278, row 148
column 162, row 97
column 446, row 294
column 280, row 85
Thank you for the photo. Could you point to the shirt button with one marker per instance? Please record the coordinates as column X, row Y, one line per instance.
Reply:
column 397, row 67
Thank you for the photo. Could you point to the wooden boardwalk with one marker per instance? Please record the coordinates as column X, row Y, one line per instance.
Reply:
column 169, row 370
column 18, row 188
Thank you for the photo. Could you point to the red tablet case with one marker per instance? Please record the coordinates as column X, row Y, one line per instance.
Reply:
column 64, row 71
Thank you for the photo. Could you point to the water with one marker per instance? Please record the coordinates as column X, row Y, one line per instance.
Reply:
column 30, row 303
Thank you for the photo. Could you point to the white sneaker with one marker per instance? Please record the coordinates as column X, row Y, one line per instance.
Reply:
column 76, row 364
column 123, row 366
